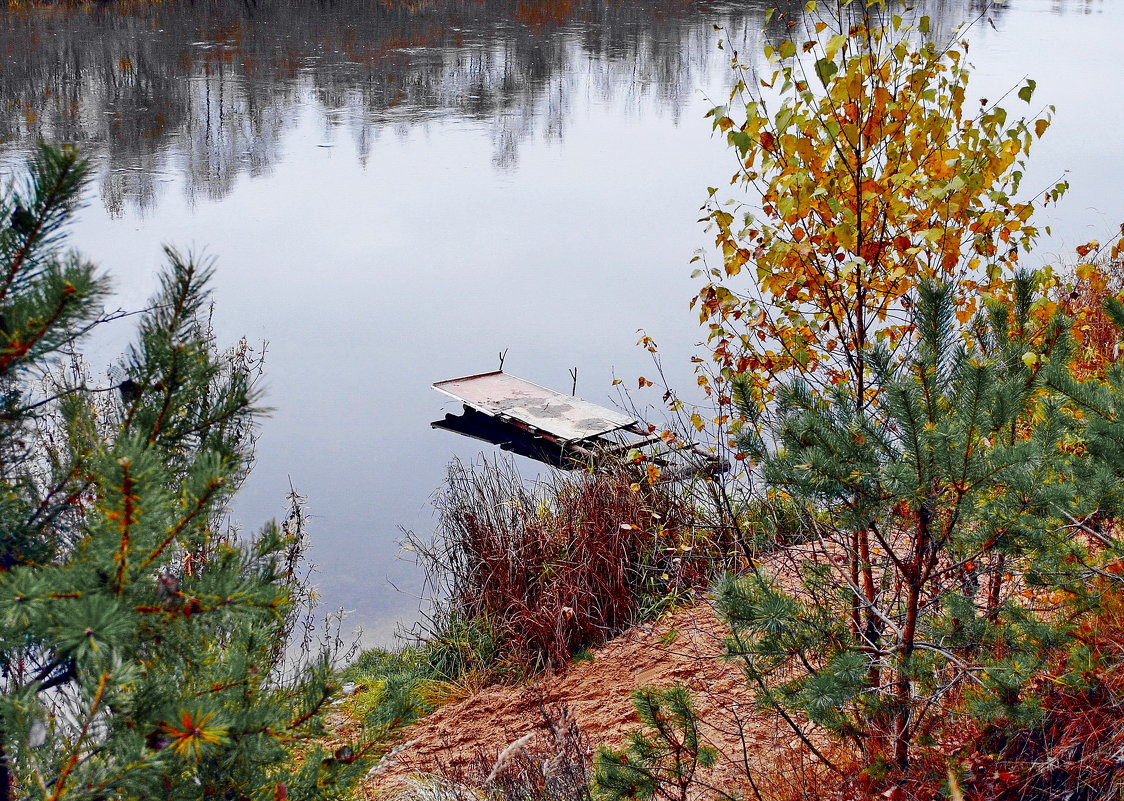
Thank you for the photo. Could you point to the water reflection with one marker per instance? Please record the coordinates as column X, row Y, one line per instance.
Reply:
column 208, row 89
column 497, row 174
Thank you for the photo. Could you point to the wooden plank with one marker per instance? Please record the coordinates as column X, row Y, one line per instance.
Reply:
column 565, row 417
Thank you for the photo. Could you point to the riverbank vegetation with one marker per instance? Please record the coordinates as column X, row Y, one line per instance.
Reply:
column 918, row 568
column 524, row 578
column 936, row 423
column 943, row 421
column 142, row 646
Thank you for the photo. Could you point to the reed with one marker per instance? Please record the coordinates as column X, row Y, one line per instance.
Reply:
column 552, row 567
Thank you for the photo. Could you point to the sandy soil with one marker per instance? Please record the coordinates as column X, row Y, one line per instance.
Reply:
column 683, row 649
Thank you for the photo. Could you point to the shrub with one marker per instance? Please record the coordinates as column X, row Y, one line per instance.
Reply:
column 662, row 760
column 142, row 647
column 900, row 387
column 534, row 574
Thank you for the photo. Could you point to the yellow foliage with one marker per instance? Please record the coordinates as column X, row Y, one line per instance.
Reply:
column 860, row 191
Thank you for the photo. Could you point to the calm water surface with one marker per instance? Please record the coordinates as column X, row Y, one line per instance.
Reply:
column 395, row 192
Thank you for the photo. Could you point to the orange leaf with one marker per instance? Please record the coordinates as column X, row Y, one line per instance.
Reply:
column 1087, row 248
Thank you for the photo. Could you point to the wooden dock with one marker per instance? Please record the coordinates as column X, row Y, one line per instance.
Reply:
column 560, row 430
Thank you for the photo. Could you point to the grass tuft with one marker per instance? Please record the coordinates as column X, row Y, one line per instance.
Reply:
column 527, row 576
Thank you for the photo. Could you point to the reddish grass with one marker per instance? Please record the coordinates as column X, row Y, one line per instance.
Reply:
column 559, row 566
column 1075, row 754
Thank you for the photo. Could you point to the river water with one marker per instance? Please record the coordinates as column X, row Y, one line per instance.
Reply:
column 396, row 191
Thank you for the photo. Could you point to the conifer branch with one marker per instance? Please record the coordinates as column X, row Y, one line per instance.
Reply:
column 125, row 522
column 56, row 179
column 202, row 504
column 72, row 759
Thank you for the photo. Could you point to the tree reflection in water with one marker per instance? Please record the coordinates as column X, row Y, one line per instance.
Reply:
column 207, row 89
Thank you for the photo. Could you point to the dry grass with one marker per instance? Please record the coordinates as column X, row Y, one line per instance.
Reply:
column 1075, row 753
column 550, row 569
column 549, row 763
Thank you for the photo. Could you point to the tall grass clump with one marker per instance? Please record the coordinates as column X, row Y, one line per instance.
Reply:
column 550, row 568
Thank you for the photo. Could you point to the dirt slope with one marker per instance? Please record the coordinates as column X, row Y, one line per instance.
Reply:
column 684, row 649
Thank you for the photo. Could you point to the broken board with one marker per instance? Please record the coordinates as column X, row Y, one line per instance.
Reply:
column 564, row 418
